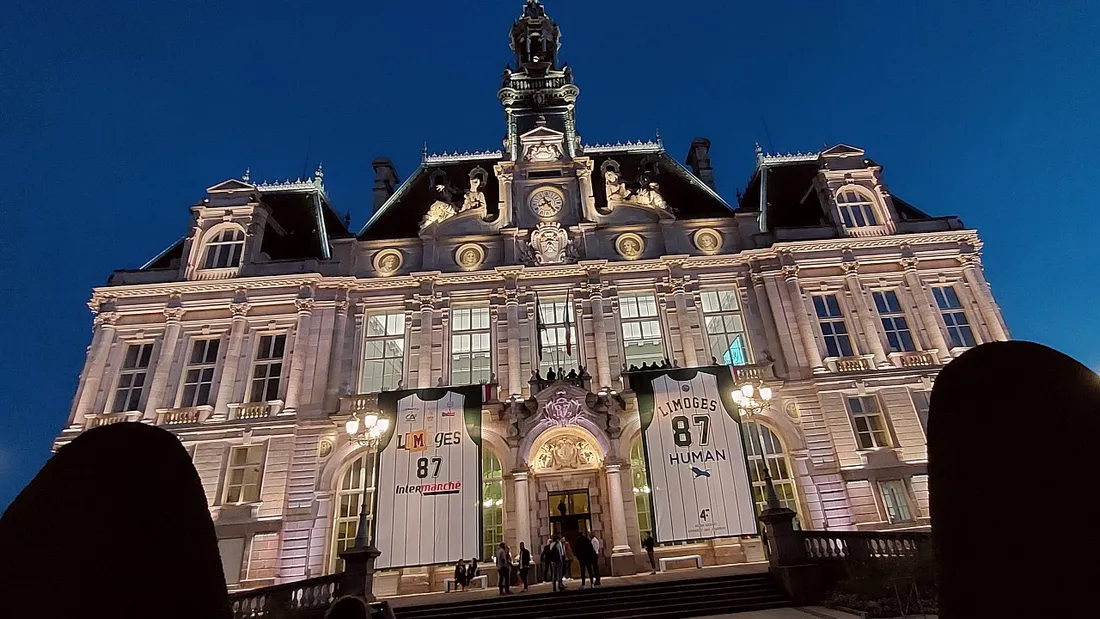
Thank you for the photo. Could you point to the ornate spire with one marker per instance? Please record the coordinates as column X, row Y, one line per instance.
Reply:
column 535, row 40
column 247, row 174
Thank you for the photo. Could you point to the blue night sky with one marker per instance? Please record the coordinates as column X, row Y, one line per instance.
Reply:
column 115, row 116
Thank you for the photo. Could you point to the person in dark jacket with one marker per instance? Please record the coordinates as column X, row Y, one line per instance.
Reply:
column 544, row 560
column 524, row 564
column 461, row 578
column 471, row 571
column 586, row 556
column 648, row 544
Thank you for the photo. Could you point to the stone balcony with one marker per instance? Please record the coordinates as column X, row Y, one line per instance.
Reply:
column 846, row 365
column 914, row 359
column 255, row 410
column 105, row 419
column 183, row 416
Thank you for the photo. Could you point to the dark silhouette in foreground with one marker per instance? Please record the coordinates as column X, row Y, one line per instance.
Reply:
column 1014, row 433
column 114, row 525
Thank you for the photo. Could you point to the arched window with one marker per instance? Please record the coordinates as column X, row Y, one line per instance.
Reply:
column 225, row 249
column 492, row 503
column 777, row 463
column 856, row 209
column 641, row 488
column 357, row 479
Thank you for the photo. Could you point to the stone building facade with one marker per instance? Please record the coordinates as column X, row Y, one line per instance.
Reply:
column 260, row 332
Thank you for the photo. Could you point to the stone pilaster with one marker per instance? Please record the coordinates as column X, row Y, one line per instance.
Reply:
column 515, row 378
column 336, row 353
column 927, row 310
column 103, row 338
column 802, row 318
column 523, row 509
column 228, row 380
column 424, row 357
column 683, row 321
column 304, row 305
column 972, row 273
column 622, row 557
column 775, row 329
column 158, row 398
column 866, row 314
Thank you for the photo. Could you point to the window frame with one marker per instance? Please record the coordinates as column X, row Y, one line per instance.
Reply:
column 779, row 467
column 902, row 491
column 257, row 361
column 889, row 317
column 367, row 484
column 879, row 413
column 953, row 328
column 214, row 244
column 200, row 366
column 722, row 313
column 922, row 417
column 144, row 361
column 832, row 321
column 492, row 491
column 641, row 320
column 388, row 380
column 553, row 326
column 230, row 467
column 865, row 208
column 483, row 375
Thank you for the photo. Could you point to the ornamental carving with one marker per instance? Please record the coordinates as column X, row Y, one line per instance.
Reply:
column 549, row 244
column 388, row 261
column 470, row 256
column 708, row 240
column 646, row 193
column 562, row 409
column 630, row 245
column 566, row 453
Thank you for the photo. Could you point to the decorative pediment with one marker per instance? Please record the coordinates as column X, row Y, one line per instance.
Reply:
column 562, row 405
column 542, row 144
column 843, row 150
column 565, row 453
column 229, row 186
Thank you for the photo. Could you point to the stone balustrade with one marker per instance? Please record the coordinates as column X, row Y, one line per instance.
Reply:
column 181, row 416
column 106, row 419
column 851, row 364
column 859, row 545
column 255, row 410
column 358, row 403
column 303, row 599
column 914, row 359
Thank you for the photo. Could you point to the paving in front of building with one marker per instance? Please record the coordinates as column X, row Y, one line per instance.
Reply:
column 257, row 335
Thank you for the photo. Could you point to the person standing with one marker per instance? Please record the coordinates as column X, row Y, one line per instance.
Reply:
column 544, row 560
column 524, row 564
column 582, row 549
column 648, row 544
column 461, row 581
column 555, row 557
column 504, row 562
column 595, row 560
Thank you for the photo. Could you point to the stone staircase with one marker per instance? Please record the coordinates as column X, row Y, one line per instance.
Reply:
column 655, row 600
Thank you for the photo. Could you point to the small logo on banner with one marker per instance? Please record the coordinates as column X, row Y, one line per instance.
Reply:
column 410, row 417
column 416, row 440
column 449, row 413
column 699, row 472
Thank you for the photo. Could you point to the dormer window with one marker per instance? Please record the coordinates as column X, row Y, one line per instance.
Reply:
column 856, row 209
column 224, row 250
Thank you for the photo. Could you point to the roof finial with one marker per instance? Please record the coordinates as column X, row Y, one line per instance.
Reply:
column 247, row 172
column 541, row 121
column 424, row 153
column 660, row 144
column 759, row 153
column 319, row 175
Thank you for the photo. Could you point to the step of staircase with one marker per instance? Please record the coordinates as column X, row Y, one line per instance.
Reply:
column 654, row 600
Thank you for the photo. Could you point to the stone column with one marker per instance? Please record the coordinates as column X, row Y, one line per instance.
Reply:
column 232, row 358
column 588, row 200
column 683, row 320
column 781, row 346
column 802, row 317
column 866, row 313
column 298, row 358
column 619, row 544
column 424, row 372
column 990, row 316
column 926, row 310
column 103, row 338
column 599, row 335
column 523, row 510
column 157, row 396
column 336, row 354
column 515, row 378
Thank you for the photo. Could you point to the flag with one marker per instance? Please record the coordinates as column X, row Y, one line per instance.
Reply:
column 539, row 327
column 565, row 319
column 488, row 393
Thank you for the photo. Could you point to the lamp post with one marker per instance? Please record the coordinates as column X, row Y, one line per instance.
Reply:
column 367, row 432
column 751, row 400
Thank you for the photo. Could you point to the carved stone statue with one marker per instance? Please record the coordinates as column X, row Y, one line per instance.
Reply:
column 475, row 198
column 443, row 207
column 650, row 195
column 615, row 187
column 544, row 151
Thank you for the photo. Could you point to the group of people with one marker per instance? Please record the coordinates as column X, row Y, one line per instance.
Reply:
column 557, row 557
column 465, row 573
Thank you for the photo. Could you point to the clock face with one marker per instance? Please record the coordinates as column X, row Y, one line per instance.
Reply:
column 546, row 203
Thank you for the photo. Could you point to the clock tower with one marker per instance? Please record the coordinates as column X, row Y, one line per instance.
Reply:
column 550, row 178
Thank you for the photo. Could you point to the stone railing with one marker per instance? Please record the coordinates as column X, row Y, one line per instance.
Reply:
column 180, row 416
column 255, row 410
column 863, row 545
column 303, row 599
column 577, row 378
column 351, row 404
column 106, row 419
column 915, row 359
column 756, row 372
column 850, row 364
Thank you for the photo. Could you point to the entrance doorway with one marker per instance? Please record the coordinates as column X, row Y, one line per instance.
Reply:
column 570, row 515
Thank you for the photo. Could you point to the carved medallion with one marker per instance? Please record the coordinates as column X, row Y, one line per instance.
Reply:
column 708, row 240
column 565, row 453
column 546, row 203
column 470, row 256
column 549, row 242
column 388, row 261
column 562, row 409
column 629, row 245
column 324, row 448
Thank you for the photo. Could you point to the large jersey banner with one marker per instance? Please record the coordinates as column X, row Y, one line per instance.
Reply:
column 695, row 457
column 428, row 498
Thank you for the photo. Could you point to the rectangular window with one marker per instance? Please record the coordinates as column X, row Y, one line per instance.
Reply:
column 893, row 321
column 242, row 479
column 959, row 333
column 232, row 555
column 268, row 369
column 641, row 329
column 922, row 402
column 383, row 352
column 557, row 317
column 833, row 328
column 895, row 497
column 471, row 355
column 725, row 326
column 869, row 423
column 198, row 377
column 131, row 379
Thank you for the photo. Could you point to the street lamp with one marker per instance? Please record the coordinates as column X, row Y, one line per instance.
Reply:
column 367, row 431
column 751, row 400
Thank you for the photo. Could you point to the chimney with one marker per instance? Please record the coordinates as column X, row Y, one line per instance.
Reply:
column 699, row 160
column 385, row 180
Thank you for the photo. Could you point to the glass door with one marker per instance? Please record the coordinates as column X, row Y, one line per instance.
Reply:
column 570, row 515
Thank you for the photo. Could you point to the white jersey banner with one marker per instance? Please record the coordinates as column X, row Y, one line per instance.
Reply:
column 695, row 456
column 428, row 501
